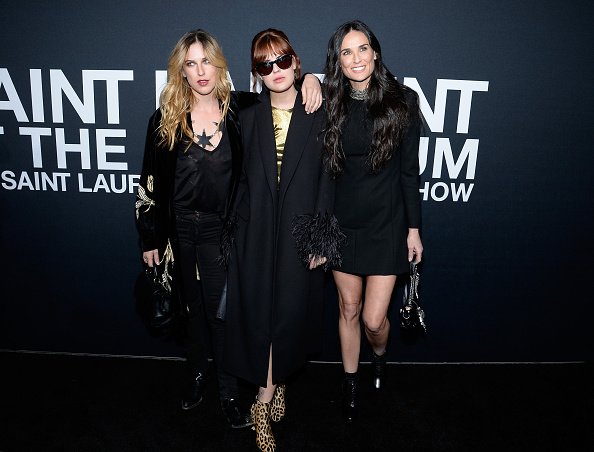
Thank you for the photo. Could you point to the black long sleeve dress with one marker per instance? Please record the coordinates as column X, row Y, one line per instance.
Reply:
column 375, row 210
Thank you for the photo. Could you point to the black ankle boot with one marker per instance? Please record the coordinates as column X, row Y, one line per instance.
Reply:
column 236, row 417
column 378, row 364
column 349, row 398
column 195, row 392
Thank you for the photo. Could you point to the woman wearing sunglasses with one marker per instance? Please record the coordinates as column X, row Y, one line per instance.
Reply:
column 190, row 174
column 285, row 234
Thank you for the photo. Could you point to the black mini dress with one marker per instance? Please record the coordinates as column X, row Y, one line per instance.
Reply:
column 375, row 210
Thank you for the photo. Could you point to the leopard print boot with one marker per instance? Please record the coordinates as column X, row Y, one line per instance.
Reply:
column 277, row 411
column 261, row 417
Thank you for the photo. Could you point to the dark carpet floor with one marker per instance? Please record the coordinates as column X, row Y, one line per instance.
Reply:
column 77, row 403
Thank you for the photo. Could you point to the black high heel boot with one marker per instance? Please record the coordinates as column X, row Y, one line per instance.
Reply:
column 194, row 393
column 378, row 362
column 349, row 398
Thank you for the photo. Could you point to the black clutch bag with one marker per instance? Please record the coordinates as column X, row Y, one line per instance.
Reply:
column 412, row 316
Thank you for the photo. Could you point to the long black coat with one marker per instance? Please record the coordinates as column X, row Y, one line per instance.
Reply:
column 272, row 298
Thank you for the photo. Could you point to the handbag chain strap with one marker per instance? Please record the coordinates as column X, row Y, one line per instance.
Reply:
column 414, row 284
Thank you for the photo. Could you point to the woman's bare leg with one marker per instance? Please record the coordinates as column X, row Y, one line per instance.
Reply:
column 265, row 394
column 378, row 292
column 350, row 289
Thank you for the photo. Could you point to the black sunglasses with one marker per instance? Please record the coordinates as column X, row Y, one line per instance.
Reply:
column 283, row 62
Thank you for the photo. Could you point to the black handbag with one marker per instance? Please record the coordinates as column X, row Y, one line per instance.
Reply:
column 412, row 315
column 163, row 309
column 157, row 300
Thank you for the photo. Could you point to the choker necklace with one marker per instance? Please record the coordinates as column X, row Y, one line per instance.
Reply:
column 204, row 139
column 358, row 94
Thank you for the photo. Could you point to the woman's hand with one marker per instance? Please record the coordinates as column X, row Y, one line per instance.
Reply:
column 311, row 92
column 316, row 261
column 415, row 246
column 151, row 257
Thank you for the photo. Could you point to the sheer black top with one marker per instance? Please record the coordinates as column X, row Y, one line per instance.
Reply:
column 202, row 177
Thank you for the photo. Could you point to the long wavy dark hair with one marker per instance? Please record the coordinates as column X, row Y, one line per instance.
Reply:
column 386, row 103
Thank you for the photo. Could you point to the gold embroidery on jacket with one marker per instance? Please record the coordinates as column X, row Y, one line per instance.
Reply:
column 167, row 261
column 143, row 200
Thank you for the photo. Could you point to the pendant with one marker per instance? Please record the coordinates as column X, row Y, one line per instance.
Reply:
column 204, row 139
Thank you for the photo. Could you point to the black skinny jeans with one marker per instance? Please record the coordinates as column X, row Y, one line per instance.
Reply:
column 198, row 236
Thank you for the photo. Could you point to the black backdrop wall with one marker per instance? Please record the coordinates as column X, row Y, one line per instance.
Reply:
column 507, row 164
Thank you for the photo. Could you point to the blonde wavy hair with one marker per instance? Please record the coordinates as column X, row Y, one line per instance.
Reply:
column 176, row 98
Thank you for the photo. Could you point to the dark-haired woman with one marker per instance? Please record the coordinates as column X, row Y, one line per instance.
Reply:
column 285, row 232
column 190, row 174
column 371, row 147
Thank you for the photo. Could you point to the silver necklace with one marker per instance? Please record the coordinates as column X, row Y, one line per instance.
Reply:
column 358, row 94
column 203, row 138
